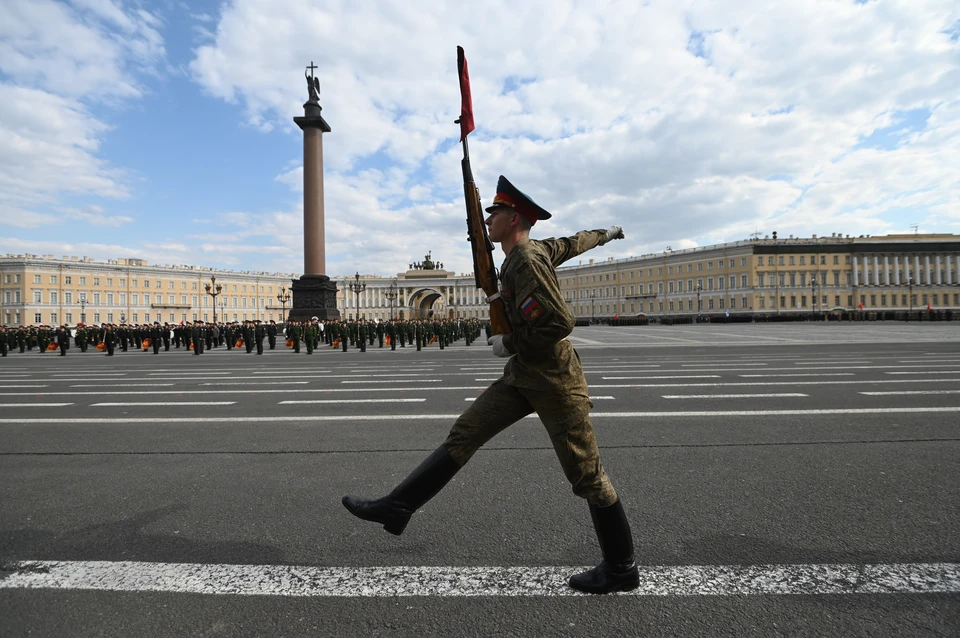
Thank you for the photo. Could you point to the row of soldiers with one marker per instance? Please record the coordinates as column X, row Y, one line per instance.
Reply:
column 251, row 335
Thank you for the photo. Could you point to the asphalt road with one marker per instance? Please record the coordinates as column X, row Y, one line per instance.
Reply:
column 782, row 448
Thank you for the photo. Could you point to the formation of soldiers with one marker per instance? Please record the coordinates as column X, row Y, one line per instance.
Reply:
column 251, row 336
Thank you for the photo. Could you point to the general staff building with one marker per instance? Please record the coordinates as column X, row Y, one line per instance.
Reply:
column 756, row 276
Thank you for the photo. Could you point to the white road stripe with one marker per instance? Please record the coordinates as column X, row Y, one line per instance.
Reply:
column 883, row 394
column 475, row 387
column 926, row 372
column 10, row 387
column 123, row 385
column 375, row 582
column 722, row 365
column 733, row 396
column 33, row 405
column 397, row 381
column 257, row 383
column 591, row 398
column 353, row 401
column 451, row 417
column 689, row 376
column 150, row 403
column 799, row 374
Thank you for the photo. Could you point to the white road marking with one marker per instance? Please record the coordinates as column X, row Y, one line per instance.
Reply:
column 476, row 387
column 10, row 387
column 285, row 372
column 375, row 582
column 926, row 372
column 592, row 398
column 688, row 376
column 799, row 374
column 902, row 392
column 353, row 401
column 397, row 381
column 445, row 417
column 733, row 396
column 33, row 405
column 722, row 365
column 257, row 383
column 817, row 363
column 150, row 403
column 124, row 385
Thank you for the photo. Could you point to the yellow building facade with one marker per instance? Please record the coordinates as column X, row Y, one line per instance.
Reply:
column 772, row 276
column 759, row 276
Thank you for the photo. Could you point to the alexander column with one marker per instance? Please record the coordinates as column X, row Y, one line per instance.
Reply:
column 314, row 294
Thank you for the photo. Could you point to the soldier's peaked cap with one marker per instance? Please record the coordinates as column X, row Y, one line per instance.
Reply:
column 510, row 196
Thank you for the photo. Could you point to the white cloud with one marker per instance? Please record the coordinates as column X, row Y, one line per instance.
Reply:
column 603, row 114
column 61, row 63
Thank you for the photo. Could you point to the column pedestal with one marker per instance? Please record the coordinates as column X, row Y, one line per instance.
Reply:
column 314, row 296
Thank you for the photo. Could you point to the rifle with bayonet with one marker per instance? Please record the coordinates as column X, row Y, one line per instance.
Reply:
column 485, row 273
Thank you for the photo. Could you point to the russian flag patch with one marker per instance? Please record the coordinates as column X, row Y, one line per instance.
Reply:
column 531, row 309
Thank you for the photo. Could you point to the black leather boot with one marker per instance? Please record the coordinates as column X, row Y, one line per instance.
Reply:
column 617, row 571
column 395, row 509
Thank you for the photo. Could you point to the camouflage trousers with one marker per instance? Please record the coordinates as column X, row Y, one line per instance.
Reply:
column 566, row 419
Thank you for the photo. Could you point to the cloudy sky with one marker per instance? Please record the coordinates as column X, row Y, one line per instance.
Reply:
column 164, row 130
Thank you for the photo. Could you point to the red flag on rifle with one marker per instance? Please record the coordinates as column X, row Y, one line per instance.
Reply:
column 466, row 101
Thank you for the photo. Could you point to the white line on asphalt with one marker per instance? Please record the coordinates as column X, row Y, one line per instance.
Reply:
column 591, row 398
column 925, row 372
column 926, row 360
column 353, row 401
column 123, row 381
column 450, row 417
column 799, row 374
column 397, row 381
column 33, row 405
column 722, row 365
column 392, row 582
column 817, row 363
column 475, row 387
column 883, row 394
column 125, row 385
column 733, row 396
column 21, row 386
column 689, row 376
column 257, row 383
column 151, row 403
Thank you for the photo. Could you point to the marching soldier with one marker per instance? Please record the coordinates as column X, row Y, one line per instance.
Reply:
column 309, row 336
column 259, row 332
column 165, row 335
column 109, row 338
column 543, row 375
column 63, row 340
column 197, row 337
column 293, row 332
column 362, row 335
column 155, row 337
column 272, row 334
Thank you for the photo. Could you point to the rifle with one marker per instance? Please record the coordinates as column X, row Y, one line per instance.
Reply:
column 484, row 271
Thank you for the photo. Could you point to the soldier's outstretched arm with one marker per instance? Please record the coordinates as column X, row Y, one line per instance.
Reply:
column 565, row 248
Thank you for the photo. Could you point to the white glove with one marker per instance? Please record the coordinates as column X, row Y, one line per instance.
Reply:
column 614, row 232
column 498, row 348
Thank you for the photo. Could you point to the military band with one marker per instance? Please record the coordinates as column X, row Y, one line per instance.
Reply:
column 199, row 336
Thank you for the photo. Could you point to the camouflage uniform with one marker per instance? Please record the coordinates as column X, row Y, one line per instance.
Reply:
column 544, row 375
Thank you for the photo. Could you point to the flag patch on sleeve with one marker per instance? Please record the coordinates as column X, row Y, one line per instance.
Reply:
column 531, row 309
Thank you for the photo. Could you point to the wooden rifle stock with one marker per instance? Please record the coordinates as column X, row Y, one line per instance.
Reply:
column 484, row 271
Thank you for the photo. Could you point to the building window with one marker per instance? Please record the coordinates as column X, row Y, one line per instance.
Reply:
column 109, row 298
column 36, row 280
column 721, row 303
column 110, row 283
column 803, row 301
column 109, row 317
column 709, row 265
column 53, row 297
column 883, row 300
column 134, row 283
column 123, row 299
column 146, row 283
column 803, row 260
column 96, row 281
column 53, row 279
column 823, row 260
column 710, row 304
column 172, row 284
column 37, row 318
column 96, row 317
column 37, row 296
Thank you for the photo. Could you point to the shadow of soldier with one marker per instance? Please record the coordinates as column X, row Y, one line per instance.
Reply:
column 127, row 539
